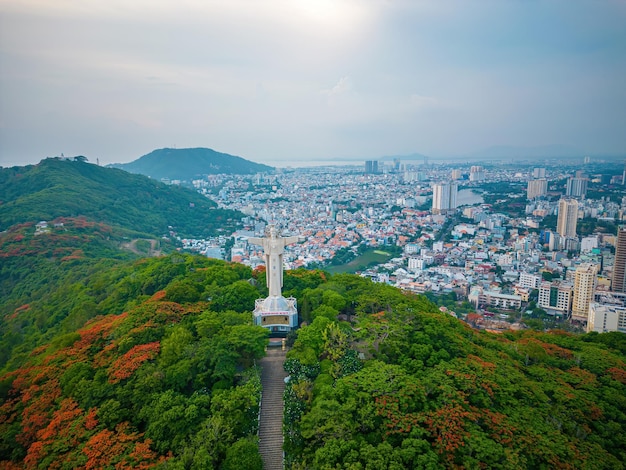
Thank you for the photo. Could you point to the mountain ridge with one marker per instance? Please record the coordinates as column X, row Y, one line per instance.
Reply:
column 62, row 188
column 190, row 163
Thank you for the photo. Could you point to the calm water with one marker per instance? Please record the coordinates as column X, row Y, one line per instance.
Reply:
column 466, row 197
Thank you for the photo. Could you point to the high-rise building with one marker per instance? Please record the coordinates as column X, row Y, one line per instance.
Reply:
column 444, row 197
column 477, row 173
column 618, row 280
column 456, row 174
column 576, row 187
column 539, row 173
column 584, row 284
column 568, row 216
column 537, row 188
column 371, row 167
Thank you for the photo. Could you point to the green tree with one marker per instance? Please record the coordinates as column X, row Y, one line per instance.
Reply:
column 243, row 454
column 239, row 296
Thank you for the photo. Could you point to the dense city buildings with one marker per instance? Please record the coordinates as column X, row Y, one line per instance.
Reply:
column 431, row 233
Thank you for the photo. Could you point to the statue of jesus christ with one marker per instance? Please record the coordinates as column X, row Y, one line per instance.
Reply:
column 274, row 247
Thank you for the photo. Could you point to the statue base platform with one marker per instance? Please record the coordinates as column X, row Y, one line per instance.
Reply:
column 276, row 313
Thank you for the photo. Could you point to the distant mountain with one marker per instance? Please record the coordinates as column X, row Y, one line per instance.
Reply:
column 61, row 188
column 543, row 151
column 190, row 164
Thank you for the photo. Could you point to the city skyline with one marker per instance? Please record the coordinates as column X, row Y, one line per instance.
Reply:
column 309, row 81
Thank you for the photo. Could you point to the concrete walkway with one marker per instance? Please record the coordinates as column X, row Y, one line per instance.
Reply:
column 271, row 422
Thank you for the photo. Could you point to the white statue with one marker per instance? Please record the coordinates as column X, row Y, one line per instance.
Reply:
column 274, row 247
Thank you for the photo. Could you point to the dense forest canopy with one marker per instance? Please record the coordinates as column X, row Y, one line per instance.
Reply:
column 63, row 188
column 403, row 385
column 169, row 378
column 166, row 378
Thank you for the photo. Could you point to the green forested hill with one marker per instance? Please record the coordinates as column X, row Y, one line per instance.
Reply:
column 430, row 392
column 162, row 377
column 94, row 215
column 49, row 282
column 378, row 379
column 190, row 164
column 62, row 188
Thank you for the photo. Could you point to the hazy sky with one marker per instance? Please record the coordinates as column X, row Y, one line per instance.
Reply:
column 300, row 80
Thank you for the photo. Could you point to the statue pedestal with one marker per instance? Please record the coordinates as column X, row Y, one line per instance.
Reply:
column 276, row 313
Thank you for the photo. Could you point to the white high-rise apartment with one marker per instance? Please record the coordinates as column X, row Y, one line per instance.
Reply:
column 576, row 187
column 477, row 173
column 584, row 284
column 444, row 197
column 537, row 188
column 568, row 216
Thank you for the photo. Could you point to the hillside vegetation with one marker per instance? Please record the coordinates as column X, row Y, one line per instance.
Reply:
column 403, row 385
column 189, row 164
column 61, row 188
column 54, row 278
column 378, row 379
column 169, row 379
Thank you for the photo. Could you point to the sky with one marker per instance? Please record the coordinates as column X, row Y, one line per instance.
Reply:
column 288, row 81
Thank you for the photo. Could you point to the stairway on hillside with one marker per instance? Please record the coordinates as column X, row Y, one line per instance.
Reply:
column 271, row 422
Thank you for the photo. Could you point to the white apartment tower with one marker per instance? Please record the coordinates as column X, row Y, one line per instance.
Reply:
column 477, row 173
column 537, row 188
column 568, row 216
column 444, row 197
column 576, row 187
column 584, row 285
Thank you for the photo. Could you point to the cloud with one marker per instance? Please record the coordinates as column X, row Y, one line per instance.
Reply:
column 344, row 85
column 302, row 78
column 421, row 101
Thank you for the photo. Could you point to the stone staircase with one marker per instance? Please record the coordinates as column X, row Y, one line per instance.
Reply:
column 271, row 420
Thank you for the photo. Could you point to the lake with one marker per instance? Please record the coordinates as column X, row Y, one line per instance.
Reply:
column 467, row 197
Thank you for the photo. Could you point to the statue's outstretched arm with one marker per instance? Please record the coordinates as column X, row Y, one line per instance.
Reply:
column 256, row 241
